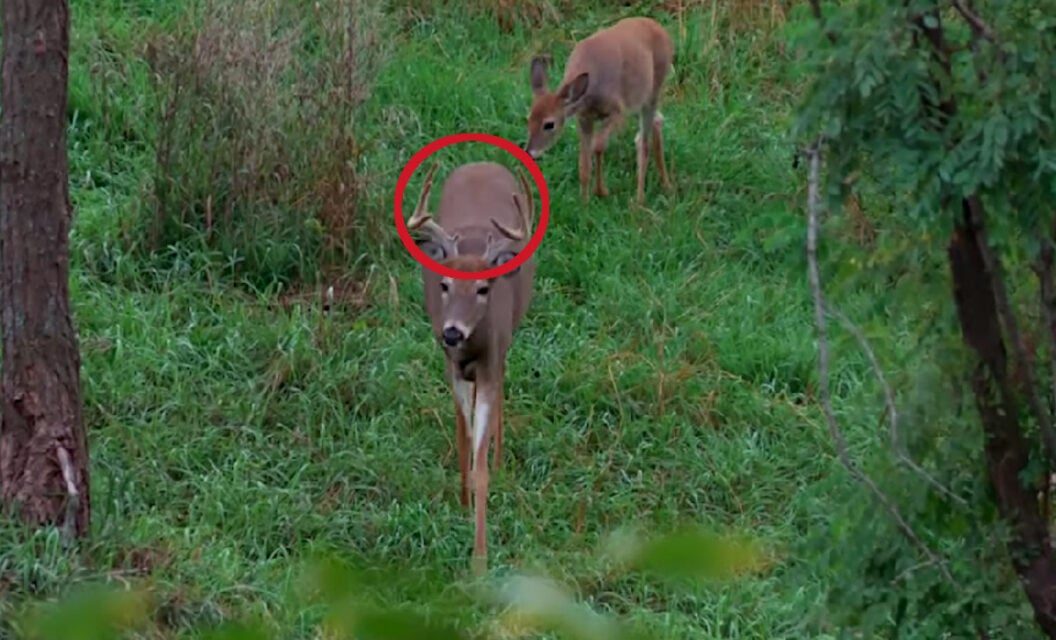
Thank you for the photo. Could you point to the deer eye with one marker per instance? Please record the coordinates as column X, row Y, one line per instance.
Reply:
column 548, row 125
column 483, row 291
column 443, row 287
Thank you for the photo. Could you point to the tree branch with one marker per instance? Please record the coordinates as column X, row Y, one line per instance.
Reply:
column 973, row 215
column 813, row 206
column 979, row 27
column 892, row 409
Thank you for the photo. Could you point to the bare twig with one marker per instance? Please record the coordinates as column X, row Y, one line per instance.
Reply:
column 73, row 502
column 813, row 206
column 992, row 264
column 892, row 409
column 910, row 570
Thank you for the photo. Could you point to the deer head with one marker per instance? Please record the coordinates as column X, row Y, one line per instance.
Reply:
column 549, row 109
column 465, row 303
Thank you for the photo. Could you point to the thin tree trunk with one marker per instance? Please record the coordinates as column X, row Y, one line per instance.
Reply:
column 43, row 449
column 1006, row 449
column 981, row 302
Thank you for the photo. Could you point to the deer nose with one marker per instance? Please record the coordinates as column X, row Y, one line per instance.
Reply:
column 452, row 337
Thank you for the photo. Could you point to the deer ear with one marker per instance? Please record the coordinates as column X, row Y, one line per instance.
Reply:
column 538, row 75
column 574, row 91
column 437, row 244
column 433, row 249
column 502, row 258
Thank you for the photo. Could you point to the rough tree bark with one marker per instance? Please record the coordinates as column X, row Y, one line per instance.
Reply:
column 1007, row 450
column 43, row 448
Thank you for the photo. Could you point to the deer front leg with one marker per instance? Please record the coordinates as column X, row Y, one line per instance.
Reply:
column 464, row 392
column 484, row 417
column 462, row 442
column 497, row 459
column 599, row 186
column 600, row 144
column 586, row 143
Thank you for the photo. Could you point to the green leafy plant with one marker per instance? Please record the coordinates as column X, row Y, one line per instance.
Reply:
column 949, row 107
column 524, row 603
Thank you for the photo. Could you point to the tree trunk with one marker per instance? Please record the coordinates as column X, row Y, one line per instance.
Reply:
column 43, row 449
column 1007, row 450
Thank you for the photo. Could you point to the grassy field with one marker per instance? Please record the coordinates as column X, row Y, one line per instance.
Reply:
column 664, row 375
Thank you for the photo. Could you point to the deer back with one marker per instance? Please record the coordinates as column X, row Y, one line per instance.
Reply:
column 626, row 63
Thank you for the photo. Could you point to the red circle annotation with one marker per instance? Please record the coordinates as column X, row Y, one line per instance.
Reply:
column 436, row 267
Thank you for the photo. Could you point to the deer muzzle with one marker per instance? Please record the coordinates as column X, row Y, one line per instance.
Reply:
column 453, row 336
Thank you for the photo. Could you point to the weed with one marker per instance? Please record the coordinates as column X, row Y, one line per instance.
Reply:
column 256, row 149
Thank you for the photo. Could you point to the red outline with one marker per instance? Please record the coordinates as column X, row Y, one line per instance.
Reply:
column 416, row 161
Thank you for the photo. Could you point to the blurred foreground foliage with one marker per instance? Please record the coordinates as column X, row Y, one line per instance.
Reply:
column 342, row 597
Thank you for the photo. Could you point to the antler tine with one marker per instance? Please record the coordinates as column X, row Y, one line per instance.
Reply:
column 490, row 246
column 524, row 209
column 437, row 234
column 530, row 209
column 419, row 217
column 512, row 234
column 430, row 226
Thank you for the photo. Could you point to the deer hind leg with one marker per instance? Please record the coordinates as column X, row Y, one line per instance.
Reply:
column 658, row 150
column 484, row 414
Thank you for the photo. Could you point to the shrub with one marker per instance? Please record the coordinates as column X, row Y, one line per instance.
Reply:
column 256, row 152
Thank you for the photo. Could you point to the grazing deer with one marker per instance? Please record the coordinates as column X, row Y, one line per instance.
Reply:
column 615, row 71
column 483, row 221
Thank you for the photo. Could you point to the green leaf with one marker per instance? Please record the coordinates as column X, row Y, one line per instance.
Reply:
column 699, row 555
column 92, row 613
column 692, row 553
column 538, row 604
column 330, row 580
column 400, row 625
column 238, row 631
